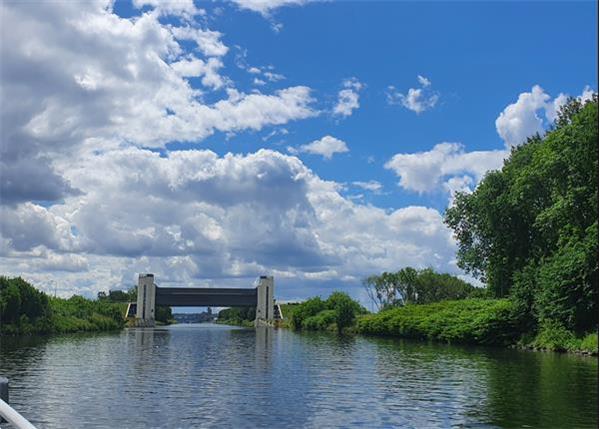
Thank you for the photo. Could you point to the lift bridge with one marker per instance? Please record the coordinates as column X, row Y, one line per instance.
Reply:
column 149, row 295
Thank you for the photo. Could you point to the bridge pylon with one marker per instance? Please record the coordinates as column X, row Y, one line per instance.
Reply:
column 146, row 298
column 265, row 290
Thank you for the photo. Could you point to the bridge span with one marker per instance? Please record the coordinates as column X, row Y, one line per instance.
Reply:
column 150, row 295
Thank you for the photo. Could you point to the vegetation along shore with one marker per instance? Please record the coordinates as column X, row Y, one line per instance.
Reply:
column 24, row 310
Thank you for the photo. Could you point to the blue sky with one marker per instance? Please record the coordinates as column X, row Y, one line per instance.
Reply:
column 371, row 114
column 478, row 56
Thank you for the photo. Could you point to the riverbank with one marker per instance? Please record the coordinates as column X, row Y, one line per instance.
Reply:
column 474, row 321
column 490, row 322
column 26, row 311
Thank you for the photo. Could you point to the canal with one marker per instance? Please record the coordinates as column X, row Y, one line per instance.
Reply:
column 220, row 376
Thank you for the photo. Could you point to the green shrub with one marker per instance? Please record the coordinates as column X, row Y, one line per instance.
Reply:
column 305, row 310
column 589, row 343
column 554, row 336
column 320, row 322
column 24, row 311
column 477, row 321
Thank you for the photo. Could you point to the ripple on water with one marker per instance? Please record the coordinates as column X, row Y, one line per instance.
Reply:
column 218, row 376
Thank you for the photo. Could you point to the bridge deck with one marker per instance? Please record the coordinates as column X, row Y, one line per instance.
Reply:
column 206, row 297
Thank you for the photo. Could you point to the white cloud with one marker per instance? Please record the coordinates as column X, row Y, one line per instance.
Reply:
column 109, row 81
column 525, row 117
column 262, row 74
column 237, row 216
column 348, row 97
column 424, row 171
column 209, row 71
column 209, row 42
column 371, row 185
column 423, row 81
column 416, row 99
column 327, row 146
column 265, row 7
column 520, row 119
column 182, row 8
column 273, row 77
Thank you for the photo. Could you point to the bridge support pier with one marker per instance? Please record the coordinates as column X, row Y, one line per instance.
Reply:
column 265, row 291
column 146, row 296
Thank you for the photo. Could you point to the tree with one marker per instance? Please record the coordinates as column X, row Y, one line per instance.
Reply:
column 412, row 286
column 345, row 309
column 530, row 230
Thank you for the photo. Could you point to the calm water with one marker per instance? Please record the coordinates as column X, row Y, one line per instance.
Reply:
column 217, row 376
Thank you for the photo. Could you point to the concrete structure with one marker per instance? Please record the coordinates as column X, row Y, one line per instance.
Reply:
column 146, row 297
column 264, row 300
column 150, row 295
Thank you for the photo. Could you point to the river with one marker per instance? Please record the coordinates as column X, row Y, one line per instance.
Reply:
column 219, row 376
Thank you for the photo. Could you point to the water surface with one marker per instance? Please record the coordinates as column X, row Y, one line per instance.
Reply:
column 218, row 376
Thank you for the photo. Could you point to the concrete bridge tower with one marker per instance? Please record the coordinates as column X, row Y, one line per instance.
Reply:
column 146, row 296
column 264, row 300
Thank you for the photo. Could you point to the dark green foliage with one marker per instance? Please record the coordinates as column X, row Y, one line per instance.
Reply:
column 531, row 230
column 476, row 321
column 25, row 310
column 237, row 315
column 320, row 321
column 119, row 295
column 17, row 298
column 411, row 286
column 308, row 308
column 339, row 312
column 163, row 314
column 345, row 309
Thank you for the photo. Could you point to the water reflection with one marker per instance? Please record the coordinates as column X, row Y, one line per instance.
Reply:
column 216, row 376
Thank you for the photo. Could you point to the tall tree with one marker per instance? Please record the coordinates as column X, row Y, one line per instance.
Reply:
column 530, row 230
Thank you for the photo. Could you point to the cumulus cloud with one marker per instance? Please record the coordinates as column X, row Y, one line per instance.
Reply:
column 327, row 146
column 97, row 93
column 531, row 113
column 103, row 80
column 208, row 42
column 423, row 171
column 416, row 99
column 208, row 70
column 236, row 217
column 348, row 97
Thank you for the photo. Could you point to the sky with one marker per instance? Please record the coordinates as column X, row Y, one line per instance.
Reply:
column 213, row 142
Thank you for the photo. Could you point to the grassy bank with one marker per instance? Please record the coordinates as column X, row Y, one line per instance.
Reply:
column 24, row 311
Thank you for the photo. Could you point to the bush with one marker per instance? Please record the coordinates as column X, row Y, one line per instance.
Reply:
column 320, row 322
column 338, row 310
column 24, row 310
column 476, row 321
column 237, row 316
column 305, row 310
column 589, row 343
column 555, row 337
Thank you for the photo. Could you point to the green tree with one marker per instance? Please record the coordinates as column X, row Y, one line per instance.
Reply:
column 412, row 286
column 308, row 308
column 530, row 230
